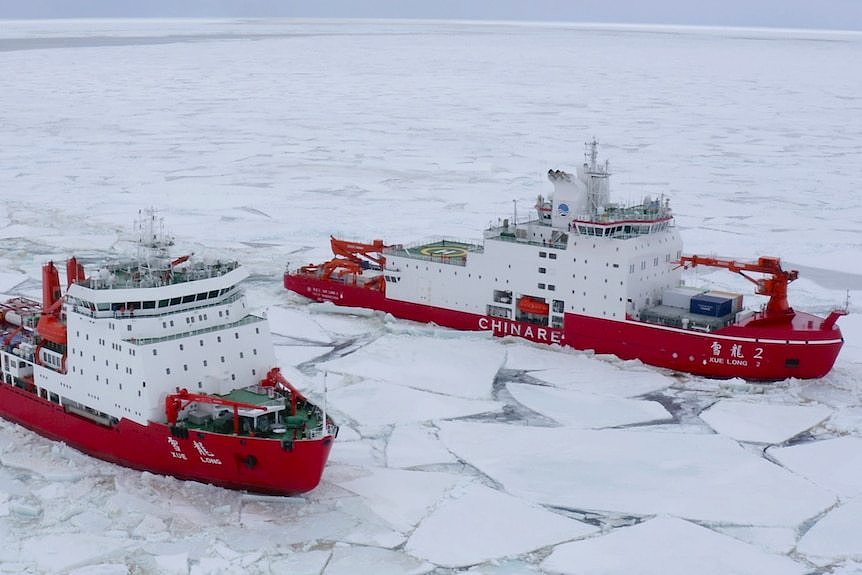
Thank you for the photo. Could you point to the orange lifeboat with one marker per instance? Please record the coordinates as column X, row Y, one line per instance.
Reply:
column 532, row 305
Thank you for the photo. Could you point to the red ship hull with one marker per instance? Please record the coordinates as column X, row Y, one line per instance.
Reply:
column 246, row 463
column 769, row 352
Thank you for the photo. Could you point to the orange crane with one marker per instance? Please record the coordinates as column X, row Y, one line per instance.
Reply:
column 774, row 286
column 356, row 251
column 352, row 258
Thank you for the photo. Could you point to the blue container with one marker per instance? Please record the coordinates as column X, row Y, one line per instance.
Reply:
column 713, row 306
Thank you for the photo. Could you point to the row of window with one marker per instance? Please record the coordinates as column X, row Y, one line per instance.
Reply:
column 162, row 303
column 622, row 230
column 205, row 362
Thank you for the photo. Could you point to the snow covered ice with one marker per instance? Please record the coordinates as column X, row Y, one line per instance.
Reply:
column 259, row 139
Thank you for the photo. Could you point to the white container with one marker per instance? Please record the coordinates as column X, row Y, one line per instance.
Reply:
column 680, row 297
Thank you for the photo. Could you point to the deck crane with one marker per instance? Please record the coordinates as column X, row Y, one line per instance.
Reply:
column 176, row 402
column 774, row 286
column 353, row 258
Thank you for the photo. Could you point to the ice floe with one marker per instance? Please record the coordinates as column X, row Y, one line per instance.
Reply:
column 835, row 536
column 376, row 403
column 466, row 369
column 835, row 464
column 762, row 422
column 402, row 498
column 415, row 445
column 700, row 477
column 481, row 524
column 586, row 410
column 669, row 546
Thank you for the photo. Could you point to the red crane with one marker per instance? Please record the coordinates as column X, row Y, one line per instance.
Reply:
column 359, row 252
column 275, row 379
column 175, row 402
column 774, row 286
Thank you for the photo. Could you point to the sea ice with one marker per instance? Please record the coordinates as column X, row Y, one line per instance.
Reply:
column 297, row 324
column 586, row 410
column 762, row 422
column 401, row 497
column 669, row 546
column 57, row 552
column 376, row 403
column 8, row 280
column 590, row 374
column 836, row 535
column 353, row 560
column 481, row 524
column 464, row 370
column 835, row 464
column 297, row 354
column 701, row 477
column 413, row 445
column 301, row 563
column 101, row 569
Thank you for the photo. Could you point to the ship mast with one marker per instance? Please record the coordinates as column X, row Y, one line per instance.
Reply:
column 153, row 244
column 597, row 182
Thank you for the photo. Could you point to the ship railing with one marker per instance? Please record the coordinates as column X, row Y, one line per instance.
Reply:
column 471, row 245
column 148, row 340
column 460, row 247
column 153, row 312
column 322, row 431
column 138, row 276
column 518, row 234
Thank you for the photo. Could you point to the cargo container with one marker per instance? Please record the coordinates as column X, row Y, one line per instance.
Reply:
column 680, row 297
column 711, row 305
column 736, row 297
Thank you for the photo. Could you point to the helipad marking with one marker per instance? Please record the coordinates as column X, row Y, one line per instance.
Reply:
column 444, row 251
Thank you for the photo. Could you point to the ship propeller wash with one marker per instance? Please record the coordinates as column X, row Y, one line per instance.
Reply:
column 156, row 364
column 590, row 274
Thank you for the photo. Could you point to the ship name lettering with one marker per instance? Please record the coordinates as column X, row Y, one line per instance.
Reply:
column 178, row 455
column 203, row 450
column 213, row 460
column 506, row 327
column 325, row 293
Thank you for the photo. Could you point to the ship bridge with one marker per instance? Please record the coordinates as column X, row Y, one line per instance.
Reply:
column 129, row 292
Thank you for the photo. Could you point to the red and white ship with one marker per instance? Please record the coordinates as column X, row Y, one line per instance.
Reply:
column 590, row 274
column 156, row 364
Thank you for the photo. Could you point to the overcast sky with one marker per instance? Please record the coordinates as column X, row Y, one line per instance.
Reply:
column 834, row 14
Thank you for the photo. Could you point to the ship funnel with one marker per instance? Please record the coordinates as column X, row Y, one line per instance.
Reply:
column 50, row 285
column 74, row 272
